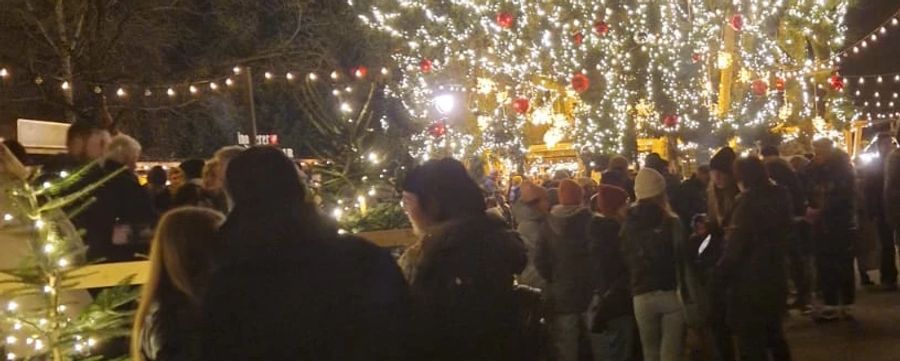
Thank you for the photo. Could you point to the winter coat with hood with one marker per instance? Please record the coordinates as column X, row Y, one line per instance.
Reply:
column 461, row 280
column 563, row 259
column 751, row 269
column 529, row 223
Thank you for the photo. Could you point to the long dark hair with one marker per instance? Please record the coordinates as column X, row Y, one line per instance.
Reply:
column 445, row 190
column 271, row 205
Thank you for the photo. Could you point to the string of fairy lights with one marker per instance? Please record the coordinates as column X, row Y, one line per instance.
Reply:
column 657, row 66
column 177, row 90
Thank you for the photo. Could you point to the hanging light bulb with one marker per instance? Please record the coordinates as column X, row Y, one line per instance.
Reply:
column 289, row 76
column 879, row 80
column 313, row 76
column 334, row 75
column 213, row 86
column 121, row 92
column 65, row 85
column 4, row 73
column 192, row 89
column 147, row 92
column 170, row 92
column 268, row 75
column 229, row 82
column 237, row 70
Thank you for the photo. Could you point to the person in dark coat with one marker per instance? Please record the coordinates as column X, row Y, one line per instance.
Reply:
column 617, row 175
column 690, row 199
column 120, row 210
column 291, row 288
column 751, row 269
column 800, row 249
column 892, row 187
column 613, row 327
column 833, row 210
column 655, row 253
column 874, row 198
column 156, row 189
column 191, row 192
column 461, row 272
column 563, row 260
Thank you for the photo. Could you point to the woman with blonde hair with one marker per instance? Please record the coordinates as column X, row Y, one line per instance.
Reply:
column 166, row 325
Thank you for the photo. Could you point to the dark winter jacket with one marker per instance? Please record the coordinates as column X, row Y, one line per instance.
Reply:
column 751, row 269
column 690, row 200
column 892, row 189
column 618, row 178
column 120, row 201
column 873, row 187
column 462, row 289
column 563, row 259
column 783, row 175
column 338, row 298
column 529, row 222
column 650, row 245
column 834, row 194
column 609, row 275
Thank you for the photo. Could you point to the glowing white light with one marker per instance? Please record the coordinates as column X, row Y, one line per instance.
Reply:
column 445, row 103
column 268, row 75
column 4, row 73
column 121, row 92
column 63, row 263
column 49, row 248
column 192, row 89
column 213, row 86
column 313, row 76
column 337, row 213
column 65, row 85
column 289, row 76
column 39, row 224
column 171, row 92
column 7, row 217
column 229, row 82
column 237, row 70
column 346, row 108
column 12, row 306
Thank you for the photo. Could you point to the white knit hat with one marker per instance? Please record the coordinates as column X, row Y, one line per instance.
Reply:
column 649, row 183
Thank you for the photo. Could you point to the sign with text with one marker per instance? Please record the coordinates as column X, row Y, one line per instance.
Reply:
column 261, row 139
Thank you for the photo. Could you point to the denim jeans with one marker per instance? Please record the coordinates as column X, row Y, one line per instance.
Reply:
column 616, row 342
column 661, row 324
column 568, row 332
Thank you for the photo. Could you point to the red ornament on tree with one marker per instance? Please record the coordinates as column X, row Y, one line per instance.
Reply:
column 670, row 120
column 580, row 83
column 578, row 38
column 437, row 129
column 696, row 57
column 737, row 22
column 779, row 84
column 601, row 28
column 759, row 87
column 505, row 20
column 361, row 71
column 837, row 82
column 425, row 65
column 521, row 105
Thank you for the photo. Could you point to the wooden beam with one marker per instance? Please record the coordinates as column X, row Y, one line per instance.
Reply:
column 110, row 274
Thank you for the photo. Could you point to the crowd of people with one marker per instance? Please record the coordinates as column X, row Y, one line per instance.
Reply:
column 641, row 265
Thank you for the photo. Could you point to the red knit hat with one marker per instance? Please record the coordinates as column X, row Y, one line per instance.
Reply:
column 610, row 199
column 570, row 193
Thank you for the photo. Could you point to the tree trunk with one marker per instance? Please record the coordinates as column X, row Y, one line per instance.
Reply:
column 65, row 58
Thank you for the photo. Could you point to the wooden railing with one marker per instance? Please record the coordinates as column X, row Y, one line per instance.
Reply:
column 110, row 274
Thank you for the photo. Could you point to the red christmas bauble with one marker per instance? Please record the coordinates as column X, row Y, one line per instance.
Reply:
column 580, row 83
column 361, row 71
column 505, row 20
column 437, row 129
column 601, row 28
column 521, row 105
column 759, row 87
column 696, row 57
column 578, row 38
column 737, row 22
column 425, row 65
column 670, row 120
column 779, row 84
column 837, row 82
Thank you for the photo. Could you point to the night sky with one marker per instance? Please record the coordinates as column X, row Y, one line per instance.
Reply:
column 882, row 57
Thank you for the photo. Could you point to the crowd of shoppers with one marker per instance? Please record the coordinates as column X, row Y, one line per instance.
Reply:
column 244, row 266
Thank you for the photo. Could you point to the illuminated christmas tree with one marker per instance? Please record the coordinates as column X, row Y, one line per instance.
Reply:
column 498, row 76
column 43, row 317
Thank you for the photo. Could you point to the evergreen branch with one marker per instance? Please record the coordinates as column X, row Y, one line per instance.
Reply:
column 64, row 201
